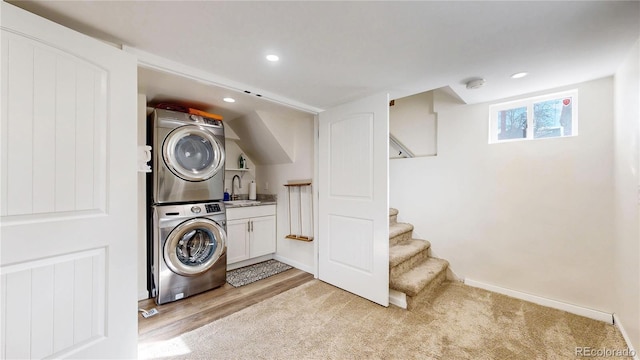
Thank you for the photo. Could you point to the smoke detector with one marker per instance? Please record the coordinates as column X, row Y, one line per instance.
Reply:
column 475, row 84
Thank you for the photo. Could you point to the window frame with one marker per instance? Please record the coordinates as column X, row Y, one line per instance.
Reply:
column 529, row 102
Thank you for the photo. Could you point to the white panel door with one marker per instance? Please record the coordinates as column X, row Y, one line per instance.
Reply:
column 68, row 177
column 353, row 198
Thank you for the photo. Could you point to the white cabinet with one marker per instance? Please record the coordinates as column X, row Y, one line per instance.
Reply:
column 237, row 240
column 251, row 232
column 262, row 237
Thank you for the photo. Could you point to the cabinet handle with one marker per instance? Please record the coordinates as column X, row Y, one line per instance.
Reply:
column 248, row 226
column 251, row 225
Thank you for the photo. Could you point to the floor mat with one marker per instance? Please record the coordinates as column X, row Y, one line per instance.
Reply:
column 252, row 273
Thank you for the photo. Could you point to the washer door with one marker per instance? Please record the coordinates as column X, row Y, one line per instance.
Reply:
column 192, row 153
column 194, row 246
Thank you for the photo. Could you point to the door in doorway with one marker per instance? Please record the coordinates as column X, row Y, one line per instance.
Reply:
column 68, row 177
column 353, row 197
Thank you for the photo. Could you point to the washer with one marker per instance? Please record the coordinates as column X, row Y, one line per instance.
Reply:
column 188, row 157
column 189, row 249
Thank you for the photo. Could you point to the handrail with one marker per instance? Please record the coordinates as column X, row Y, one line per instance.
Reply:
column 404, row 151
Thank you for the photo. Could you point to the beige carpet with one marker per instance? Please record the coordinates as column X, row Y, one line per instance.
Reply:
column 319, row 321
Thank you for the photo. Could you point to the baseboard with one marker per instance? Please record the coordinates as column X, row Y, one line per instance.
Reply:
column 295, row 264
column 143, row 295
column 618, row 324
column 248, row 262
column 570, row 308
column 398, row 298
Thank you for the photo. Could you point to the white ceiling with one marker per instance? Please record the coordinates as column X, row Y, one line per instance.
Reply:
column 334, row 52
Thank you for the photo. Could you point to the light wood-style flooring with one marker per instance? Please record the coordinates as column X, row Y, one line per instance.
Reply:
column 193, row 312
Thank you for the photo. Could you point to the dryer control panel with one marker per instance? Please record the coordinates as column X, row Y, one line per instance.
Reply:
column 206, row 120
column 212, row 208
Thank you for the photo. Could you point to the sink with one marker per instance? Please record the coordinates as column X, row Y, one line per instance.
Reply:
column 242, row 202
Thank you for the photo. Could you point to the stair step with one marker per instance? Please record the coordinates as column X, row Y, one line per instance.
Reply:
column 403, row 251
column 399, row 232
column 393, row 216
column 399, row 229
column 406, row 255
column 418, row 278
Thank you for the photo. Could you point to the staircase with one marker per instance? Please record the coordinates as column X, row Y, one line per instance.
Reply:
column 411, row 270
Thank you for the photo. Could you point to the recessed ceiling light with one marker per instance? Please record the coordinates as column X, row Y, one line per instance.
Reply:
column 273, row 57
column 519, row 75
column 229, row 100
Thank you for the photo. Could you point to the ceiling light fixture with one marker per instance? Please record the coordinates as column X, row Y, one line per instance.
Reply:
column 273, row 58
column 475, row 84
column 519, row 75
column 229, row 100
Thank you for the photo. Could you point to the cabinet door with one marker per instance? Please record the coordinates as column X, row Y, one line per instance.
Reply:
column 237, row 240
column 263, row 236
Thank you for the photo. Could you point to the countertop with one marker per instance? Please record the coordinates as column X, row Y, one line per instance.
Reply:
column 229, row 205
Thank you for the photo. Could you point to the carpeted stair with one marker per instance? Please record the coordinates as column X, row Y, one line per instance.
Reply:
column 411, row 270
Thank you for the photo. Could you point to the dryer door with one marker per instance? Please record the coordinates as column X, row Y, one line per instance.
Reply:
column 193, row 153
column 194, row 246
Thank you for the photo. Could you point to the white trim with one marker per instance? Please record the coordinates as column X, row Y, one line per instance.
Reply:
column 53, row 260
column 316, row 178
column 155, row 62
column 618, row 324
column 295, row 264
column 398, row 298
column 574, row 309
column 143, row 295
column 248, row 262
column 65, row 353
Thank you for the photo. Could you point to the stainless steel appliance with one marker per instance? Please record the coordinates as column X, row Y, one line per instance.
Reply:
column 188, row 157
column 189, row 249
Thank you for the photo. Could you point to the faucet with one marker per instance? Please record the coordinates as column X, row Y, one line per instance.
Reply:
column 233, row 189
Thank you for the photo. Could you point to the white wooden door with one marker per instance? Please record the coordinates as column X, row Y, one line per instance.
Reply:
column 68, row 184
column 353, row 198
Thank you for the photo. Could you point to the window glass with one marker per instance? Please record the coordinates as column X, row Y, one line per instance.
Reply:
column 512, row 123
column 552, row 118
column 547, row 116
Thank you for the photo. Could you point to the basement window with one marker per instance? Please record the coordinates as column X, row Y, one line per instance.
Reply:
column 548, row 116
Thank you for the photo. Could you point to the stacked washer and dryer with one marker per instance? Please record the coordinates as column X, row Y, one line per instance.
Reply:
column 187, row 218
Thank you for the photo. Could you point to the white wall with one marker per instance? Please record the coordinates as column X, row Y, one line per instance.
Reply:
column 278, row 125
column 413, row 123
column 260, row 133
column 293, row 252
column 233, row 151
column 626, row 241
column 532, row 216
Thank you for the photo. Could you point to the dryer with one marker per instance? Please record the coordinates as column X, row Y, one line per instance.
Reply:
column 189, row 249
column 188, row 157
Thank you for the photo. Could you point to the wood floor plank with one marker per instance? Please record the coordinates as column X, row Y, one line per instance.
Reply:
column 178, row 317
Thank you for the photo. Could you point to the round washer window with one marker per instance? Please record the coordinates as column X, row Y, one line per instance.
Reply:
column 194, row 246
column 193, row 153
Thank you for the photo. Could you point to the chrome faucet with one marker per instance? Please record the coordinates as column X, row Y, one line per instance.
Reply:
column 233, row 189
